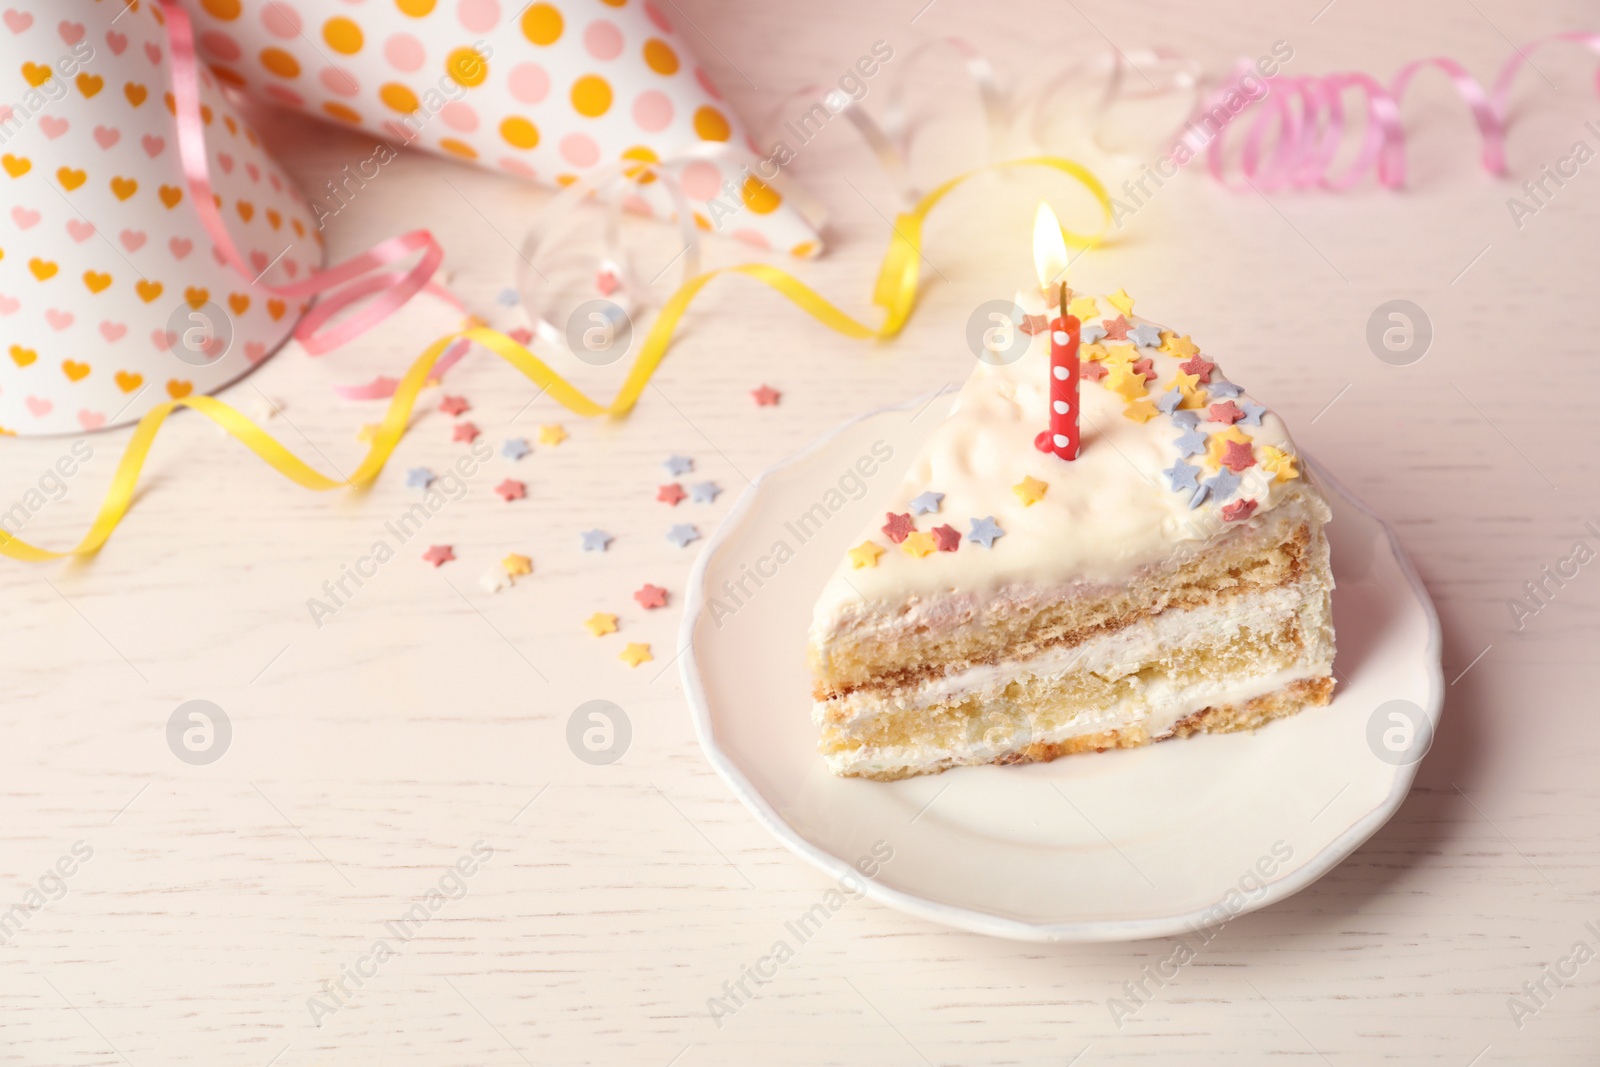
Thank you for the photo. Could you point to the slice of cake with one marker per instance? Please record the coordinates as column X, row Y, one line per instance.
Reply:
column 1012, row 606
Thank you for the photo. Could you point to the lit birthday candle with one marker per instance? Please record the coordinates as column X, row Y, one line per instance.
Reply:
column 1050, row 260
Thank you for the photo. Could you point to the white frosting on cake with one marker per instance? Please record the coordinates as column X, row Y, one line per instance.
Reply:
column 1102, row 516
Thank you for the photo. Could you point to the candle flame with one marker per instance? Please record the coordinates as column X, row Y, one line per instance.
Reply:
column 1049, row 247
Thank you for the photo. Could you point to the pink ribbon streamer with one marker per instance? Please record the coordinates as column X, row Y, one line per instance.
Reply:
column 1304, row 121
column 393, row 288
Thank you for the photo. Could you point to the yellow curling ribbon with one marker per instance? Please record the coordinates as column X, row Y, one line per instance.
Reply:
column 895, row 292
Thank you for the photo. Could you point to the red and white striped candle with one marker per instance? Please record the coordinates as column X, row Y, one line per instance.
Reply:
column 1065, row 333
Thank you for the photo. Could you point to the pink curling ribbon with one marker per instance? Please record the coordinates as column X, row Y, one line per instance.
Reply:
column 1303, row 119
column 393, row 288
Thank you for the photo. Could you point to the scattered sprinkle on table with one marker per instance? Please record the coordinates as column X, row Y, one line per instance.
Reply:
column 766, row 396
column 515, row 564
column 493, row 580
column 678, row 465
column 522, row 335
column 439, row 555
column 553, row 434
column 454, row 405
column 651, row 596
column 419, row 478
column 634, row 654
column 595, row 540
column 671, row 493
column 510, row 489
column 601, row 623
column 515, row 448
column 508, row 297
column 464, row 431
column 682, row 534
column 704, row 492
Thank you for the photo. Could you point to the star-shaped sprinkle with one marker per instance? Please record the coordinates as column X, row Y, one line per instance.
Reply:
column 1225, row 389
column 1030, row 490
column 439, row 555
column 552, row 434
column 419, row 478
column 1034, row 324
column 1191, row 443
column 510, row 489
column 766, row 396
column 1126, row 382
column 1199, row 366
column 595, row 540
column 1279, row 463
column 493, row 580
column 601, row 623
column 865, row 555
column 464, row 431
column 1217, row 443
column 1093, row 371
column 678, row 465
column 897, row 527
column 1223, row 484
column 985, row 531
column 682, row 534
column 1200, row 495
column 634, row 653
column 1183, row 475
column 1091, row 332
column 515, row 448
column 1237, row 455
column 1145, row 335
column 1187, row 419
column 1238, row 511
column 515, row 564
column 919, row 544
column 1125, row 354
column 650, row 596
column 1147, row 368
column 1182, row 347
column 1169, row 400
column 671, row 493
column 947, row 537
column 508, row 297
column 1226, row 412
column 925, row 503
column 1252, row 414
column 1083, row 308
column 1116, row 329
column 1185, row 383
column 1121, row 301
column 704, row 492
column 1141, row 411
column 454, row 405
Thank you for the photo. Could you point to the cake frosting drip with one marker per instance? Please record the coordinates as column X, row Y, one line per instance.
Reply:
column 1172, row 452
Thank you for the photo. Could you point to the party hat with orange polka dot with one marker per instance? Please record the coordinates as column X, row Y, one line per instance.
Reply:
column 554, row 90
column 112, row 299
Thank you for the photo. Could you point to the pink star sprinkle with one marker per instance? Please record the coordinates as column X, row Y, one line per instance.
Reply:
column 1145, row 367
column 946, row 537
column 1200, row 367
column 439, row 555
column 522, row 335
column 1117, row 328
column 671, row 494
column 1093, row 370
column 1226, row 412
column 511, row 489
column 898, row 528
column 766, row 396
column 464, row 431
column 1238, row 511
column 651, row 596
column 454, row 405
column 1032, row 324
column 1237, row 456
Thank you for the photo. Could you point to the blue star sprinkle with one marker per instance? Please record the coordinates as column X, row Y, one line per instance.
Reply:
column 1145, row 335
column 1252, row 413
column 1169, row 401
column 1188, row 418
column 704, row 492
column 1223, row 389
column 1091, row 332
column 508, row 297
column 985, row 531
column 682, row 534
column 515, row 447
column 1200, row 495
column 595, row 540
column 1223, row 485
column 1183, row 476
column 925, row 503
column 419, row 478
column 1191, row 443
column 677, row 465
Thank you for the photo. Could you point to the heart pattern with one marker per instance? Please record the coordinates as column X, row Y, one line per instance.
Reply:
column 78, row 301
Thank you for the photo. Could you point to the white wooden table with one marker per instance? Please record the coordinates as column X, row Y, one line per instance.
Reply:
column 369, row 754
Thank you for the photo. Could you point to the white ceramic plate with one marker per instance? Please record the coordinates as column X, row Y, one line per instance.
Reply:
column 1104, row 846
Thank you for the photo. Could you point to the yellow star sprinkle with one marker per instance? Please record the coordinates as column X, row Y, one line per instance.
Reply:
column 600, row 624
column 1182, row 347
column 1217, row 445
column 1278, row 462
column 515, row 564
column 553, row 434
column 1141, row 411
column 1121, row 301
column 1084, row 308
column 864, row 555
column 1093, row 351
column 921, row 543
column 368, row 431
column 634, row 654
column 1030, row 491
column 1120, row 354
column 1125, row 382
